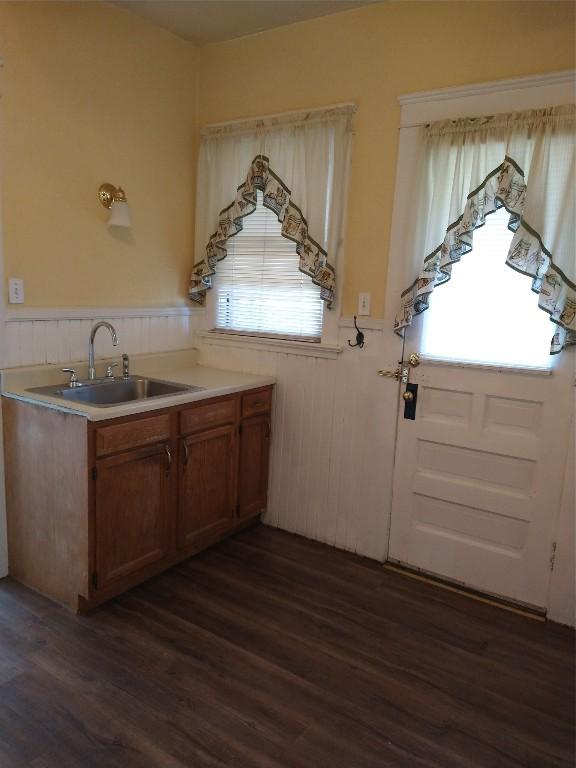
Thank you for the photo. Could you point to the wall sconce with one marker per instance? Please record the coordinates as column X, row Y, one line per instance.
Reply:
column 114, row 199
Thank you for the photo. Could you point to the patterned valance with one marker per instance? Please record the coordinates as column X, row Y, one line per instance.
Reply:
column 277, row 197
column 534, row 182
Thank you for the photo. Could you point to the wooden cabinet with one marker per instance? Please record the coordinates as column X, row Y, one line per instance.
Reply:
column 253, row 466
column 128, row 497
column 207, row 484
column 131, row 504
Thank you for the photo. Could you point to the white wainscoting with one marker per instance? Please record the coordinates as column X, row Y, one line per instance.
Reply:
column 333, row 430
column 333, row 421
column 332, row 438
column 35, row 337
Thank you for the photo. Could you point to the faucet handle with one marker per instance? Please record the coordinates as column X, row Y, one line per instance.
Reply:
column 125, row 366
column 109, row 370
column 73, row 376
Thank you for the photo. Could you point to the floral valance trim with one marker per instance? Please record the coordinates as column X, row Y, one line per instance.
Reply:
column 556, row 293
column 313, row 258
column 505, row 186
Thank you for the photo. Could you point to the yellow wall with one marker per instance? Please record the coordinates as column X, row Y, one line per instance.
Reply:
column 92, row 93
column 370, row 56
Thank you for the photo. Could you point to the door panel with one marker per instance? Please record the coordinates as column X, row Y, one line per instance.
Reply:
column 208, row 462
column 132, row 496
column 479, row 473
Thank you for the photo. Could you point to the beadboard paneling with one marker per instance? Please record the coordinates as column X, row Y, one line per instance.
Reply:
column 54, row 339
column 332, row 440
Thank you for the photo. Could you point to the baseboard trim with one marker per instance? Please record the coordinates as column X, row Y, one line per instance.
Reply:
column 536, row 614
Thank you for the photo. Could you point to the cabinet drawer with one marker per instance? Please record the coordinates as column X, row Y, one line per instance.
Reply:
column 210, row 415
column 256, row 402
column 132, row 434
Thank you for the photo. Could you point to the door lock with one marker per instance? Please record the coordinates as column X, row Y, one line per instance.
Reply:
column 395, row 374
column 410, row 396
column 401, row 373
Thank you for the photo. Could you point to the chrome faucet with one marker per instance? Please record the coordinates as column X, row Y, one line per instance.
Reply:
column 102, row 324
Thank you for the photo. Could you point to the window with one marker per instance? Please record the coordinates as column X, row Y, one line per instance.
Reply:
column 259, row 288
column 455, row 328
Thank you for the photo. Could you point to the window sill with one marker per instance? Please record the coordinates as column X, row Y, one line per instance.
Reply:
column 305, row 348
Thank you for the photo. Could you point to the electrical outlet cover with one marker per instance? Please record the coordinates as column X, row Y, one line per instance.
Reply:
column 16, row 290
column 363, row 304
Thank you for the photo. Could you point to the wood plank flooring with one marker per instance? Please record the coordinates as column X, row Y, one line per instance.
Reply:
column 272, row 651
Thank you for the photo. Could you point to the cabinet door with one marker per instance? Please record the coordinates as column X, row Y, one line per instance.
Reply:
column 207, row 474
column 131, row 512
column 253, row 468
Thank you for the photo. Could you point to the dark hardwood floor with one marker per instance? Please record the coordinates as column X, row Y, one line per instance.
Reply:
column 271, row 650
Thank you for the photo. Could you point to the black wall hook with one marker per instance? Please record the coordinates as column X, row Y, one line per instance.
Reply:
column 359, row 336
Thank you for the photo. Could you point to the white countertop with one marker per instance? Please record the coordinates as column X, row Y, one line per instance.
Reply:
column 178, row 367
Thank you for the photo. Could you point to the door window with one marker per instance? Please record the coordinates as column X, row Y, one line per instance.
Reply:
column 494, row 322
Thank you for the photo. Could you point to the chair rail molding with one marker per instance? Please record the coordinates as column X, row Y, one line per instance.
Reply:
column 36, row 314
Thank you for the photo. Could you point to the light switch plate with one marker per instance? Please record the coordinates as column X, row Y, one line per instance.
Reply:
column 16, row 290
column 364, row 304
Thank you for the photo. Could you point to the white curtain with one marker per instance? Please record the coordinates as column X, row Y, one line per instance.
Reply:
column 300, row 162
column 525, row 161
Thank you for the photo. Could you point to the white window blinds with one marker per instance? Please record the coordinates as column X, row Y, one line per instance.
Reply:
column 259, row 288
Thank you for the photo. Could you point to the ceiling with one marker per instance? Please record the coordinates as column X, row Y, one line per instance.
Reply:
column 211, row 21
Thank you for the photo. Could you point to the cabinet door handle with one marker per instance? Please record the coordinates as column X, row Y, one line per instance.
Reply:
column 168, row 459
column 268, row 429
column 185, row 444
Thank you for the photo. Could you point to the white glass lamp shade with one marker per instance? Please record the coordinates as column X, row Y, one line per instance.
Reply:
column 120, row 215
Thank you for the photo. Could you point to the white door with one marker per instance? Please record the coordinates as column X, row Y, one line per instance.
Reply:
column 478, row 474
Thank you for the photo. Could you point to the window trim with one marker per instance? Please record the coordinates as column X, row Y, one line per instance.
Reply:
column 330, row 317
column 328, row 340
column 268, row 344
column 418, row 109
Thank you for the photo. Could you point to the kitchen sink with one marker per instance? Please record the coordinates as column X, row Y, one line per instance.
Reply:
column 105, row 393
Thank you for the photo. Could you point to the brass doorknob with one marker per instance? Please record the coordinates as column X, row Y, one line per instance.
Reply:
column 414, row 359
column 408, row 396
